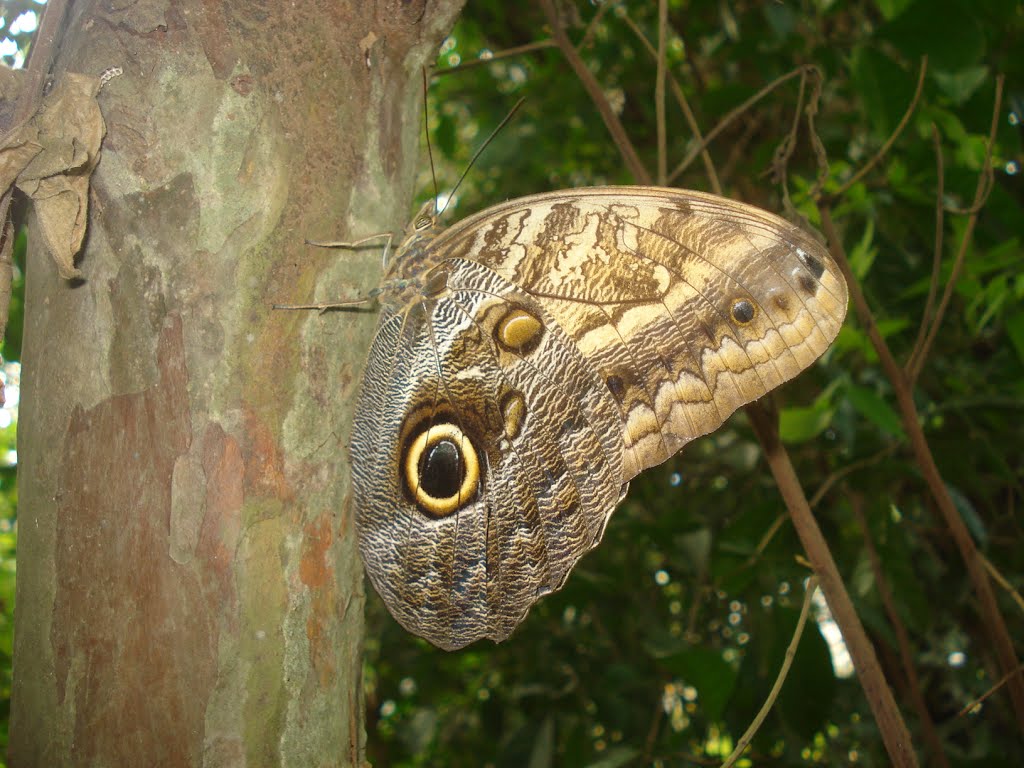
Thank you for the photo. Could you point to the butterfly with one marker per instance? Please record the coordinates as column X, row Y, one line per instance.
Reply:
column 533, row 358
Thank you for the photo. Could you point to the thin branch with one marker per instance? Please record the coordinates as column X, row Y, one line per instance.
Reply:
column 783, row 153
column 912, row 367
column 1002, row 681
column 652, row 732
column 992, row 619
column 981, row 193
column 906, row 651
column 684, row 105
column 1003, row 582
column 519, row 50
column 890, row 722
column 659, row 93
column 611, row 120
column 507, row 53
column 730, row 117
column 884, row 150
column 849, row 469
column 773, row 694
column 588, row 34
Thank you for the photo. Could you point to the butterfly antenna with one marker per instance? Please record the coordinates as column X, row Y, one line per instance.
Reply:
column 426, row 133
column 479, row 151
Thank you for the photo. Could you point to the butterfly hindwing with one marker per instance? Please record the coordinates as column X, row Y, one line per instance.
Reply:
column 483, row 384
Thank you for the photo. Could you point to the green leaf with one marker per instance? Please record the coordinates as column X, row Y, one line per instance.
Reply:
column 803, row 423
column 862, row 256
column 712, row 676
column 946, row 31
column 1015, row 330
column 885, row 88
column 875, row 410
column 892, row 8
column 960, row 85
column 543, row 751
column 970, row 516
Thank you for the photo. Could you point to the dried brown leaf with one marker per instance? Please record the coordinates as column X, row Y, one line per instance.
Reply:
column 51, row 159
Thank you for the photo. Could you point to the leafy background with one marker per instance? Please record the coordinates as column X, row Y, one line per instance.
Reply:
column 668, row 638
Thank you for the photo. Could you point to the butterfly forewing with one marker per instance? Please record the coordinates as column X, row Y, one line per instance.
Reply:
column 687, row 305
column 534, row 357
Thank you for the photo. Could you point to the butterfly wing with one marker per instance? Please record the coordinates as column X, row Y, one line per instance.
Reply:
column 559, row 345
column 486, row 457
column 687, row 305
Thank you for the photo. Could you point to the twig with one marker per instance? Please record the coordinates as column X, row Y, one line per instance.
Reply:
column 839, row 474
column 1002, row 681
column 884, row 150
column 588, row 34
column 773, row 694
column 890, row 722
column 507, row 53
column 684, row 105
column 1002, row 582
column 659, row 93
column 783, row 153
column 593, row 88
column 989, row 608
column 519, row 50
column 652, row 731
column 981, row 193
column 931, row 736
column 912, row 367
column 732, row 115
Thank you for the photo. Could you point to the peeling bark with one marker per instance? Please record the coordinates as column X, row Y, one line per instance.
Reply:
column 189, row 588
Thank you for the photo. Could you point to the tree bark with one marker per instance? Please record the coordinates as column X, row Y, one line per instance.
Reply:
column 189, row 588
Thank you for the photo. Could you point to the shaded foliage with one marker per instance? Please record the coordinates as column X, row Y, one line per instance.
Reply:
column 666, row 640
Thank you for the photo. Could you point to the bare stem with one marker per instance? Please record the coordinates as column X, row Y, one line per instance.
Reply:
column 894, row 731
column 684, row 105
column 906, row 651
column 730, row 117
column 981, row 193
column 586, row 77
column 884, row 150
column 991, row 617
column 912, row 366
column 773, row 694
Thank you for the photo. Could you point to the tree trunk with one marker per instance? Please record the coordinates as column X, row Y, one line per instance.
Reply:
column 189, row 587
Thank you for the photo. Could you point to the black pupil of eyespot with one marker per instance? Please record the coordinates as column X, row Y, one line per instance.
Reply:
column 743, row 311
column 441, row 470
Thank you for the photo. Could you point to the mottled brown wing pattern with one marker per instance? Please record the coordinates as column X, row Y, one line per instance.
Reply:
column 686, row 304
column 481, row 372
column 533, row 358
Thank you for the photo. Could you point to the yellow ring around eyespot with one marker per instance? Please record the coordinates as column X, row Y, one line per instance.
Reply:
column 428, row 438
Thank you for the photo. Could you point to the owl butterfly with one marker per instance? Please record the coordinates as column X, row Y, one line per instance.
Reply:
column 532, row 359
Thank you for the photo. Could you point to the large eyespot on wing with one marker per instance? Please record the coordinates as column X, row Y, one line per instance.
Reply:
column 489, row 462
column 687, row 305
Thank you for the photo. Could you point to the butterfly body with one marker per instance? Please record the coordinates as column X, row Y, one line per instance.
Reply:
column 533, row 358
